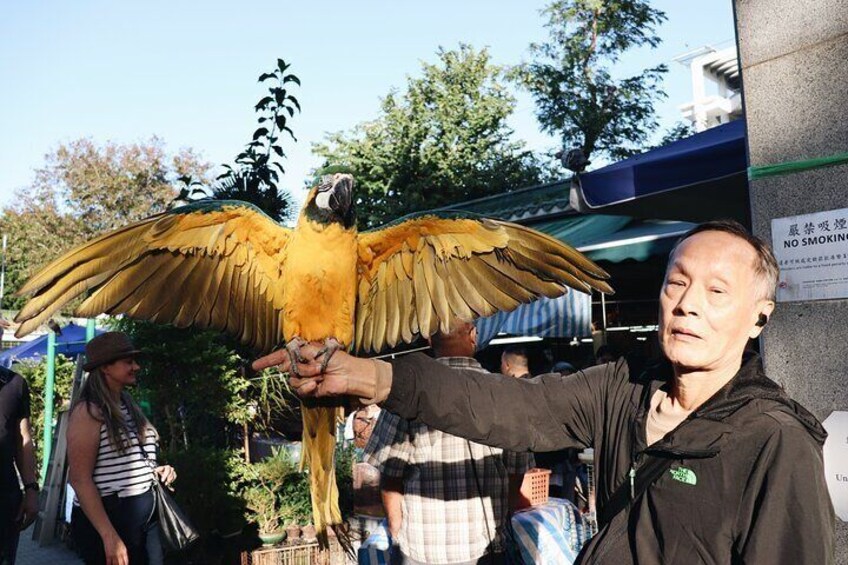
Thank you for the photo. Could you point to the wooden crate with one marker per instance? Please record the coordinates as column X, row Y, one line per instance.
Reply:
column 296, row 554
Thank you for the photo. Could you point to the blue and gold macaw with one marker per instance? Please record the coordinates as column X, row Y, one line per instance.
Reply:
column 225, row 265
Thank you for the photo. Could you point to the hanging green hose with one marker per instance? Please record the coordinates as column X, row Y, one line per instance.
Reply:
column 790, row 167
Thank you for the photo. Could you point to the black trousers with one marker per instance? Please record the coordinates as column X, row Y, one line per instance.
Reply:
column 10, row 528
column 133, row 517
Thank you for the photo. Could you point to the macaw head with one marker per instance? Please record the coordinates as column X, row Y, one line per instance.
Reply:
column 331, row 199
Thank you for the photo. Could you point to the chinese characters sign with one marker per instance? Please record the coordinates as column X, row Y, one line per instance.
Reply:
column 812, row 253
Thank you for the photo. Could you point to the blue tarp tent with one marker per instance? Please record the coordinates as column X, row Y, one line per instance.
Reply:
column 698, row 178
column 567, row 316
column 70, row 344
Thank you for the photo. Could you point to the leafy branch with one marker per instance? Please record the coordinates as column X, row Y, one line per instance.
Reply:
column 256, row 171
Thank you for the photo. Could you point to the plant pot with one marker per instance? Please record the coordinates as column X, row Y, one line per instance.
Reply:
column 293, row 532
column 309, row 533
column 272, row 538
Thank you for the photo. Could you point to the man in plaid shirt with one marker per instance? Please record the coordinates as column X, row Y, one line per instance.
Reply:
column 446, row 498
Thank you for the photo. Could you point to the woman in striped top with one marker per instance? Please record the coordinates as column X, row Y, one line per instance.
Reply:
column 112, row 461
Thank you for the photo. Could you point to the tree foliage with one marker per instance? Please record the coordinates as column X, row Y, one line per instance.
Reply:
column 571, row 78
column 256, row 173
column 34, row 372
column 194, row 382
column 680, row 130
column 83, row 190
column 444, row 140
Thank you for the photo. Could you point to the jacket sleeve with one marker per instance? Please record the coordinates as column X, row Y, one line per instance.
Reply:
column 787, row 516
column 546, row 413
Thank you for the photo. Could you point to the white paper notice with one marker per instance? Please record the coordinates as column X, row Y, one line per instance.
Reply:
column 812, row 252
column 836, row 461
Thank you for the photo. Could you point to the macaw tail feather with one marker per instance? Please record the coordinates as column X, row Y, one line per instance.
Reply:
column 319, row 444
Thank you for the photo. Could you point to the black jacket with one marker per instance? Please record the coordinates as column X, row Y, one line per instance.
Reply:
column 746, row 485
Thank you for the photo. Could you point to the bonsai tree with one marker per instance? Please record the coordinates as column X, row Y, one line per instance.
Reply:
column 265, row 488
column 276, row 494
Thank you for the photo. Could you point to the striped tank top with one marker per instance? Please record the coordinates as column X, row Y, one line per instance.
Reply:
column 127, row 473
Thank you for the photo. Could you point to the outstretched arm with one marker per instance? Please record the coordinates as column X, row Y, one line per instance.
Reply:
column 549, row 413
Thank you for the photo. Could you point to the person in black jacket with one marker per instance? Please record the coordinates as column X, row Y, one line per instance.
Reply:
column 17, row 458
column 700, row 459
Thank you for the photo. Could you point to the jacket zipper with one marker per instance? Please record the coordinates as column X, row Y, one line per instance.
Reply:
column 610, row 542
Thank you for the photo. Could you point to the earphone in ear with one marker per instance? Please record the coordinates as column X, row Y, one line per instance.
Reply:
column 762, row 320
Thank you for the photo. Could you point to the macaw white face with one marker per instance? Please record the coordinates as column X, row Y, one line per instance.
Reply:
column 322, row 199
column 334, row 192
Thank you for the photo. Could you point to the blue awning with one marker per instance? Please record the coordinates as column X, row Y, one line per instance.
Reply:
column 701, row 177
column 569, row 315
column 713, row 154
column 70, row 344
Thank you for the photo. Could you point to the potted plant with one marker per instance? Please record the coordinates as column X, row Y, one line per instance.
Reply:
column 292, row 532
column 262, row 509
column 296, row 503
column 279, row 502
column 264, row 494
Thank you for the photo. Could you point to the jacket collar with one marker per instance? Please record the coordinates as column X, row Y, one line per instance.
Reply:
column 704, row 432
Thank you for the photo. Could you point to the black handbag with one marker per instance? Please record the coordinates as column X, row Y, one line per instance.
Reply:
column 175, row 528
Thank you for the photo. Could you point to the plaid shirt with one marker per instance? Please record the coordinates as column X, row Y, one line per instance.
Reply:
column 455, row 499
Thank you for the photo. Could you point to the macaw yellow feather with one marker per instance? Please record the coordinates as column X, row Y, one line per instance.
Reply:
column 136, row 269
column 457, row 269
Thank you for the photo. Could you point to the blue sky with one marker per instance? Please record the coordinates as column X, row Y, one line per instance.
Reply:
column 186, row 71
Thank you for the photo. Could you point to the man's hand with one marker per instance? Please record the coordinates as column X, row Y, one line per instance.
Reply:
column 368, row 379
column 28, row 511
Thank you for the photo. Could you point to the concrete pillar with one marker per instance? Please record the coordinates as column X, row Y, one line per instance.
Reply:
column 794, row 60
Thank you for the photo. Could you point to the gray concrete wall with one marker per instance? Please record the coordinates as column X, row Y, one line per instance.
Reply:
column 794, row 59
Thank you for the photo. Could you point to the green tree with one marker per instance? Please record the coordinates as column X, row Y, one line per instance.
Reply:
column 83, row 190
column 571, row 76
column 35, row 374
column 444, row 140
column 105, row 187
column 256, row 172
column 193, row 381
column 680, row 130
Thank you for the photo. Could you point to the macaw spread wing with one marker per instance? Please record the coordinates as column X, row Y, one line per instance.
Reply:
column 209, row 264
column 417, row 276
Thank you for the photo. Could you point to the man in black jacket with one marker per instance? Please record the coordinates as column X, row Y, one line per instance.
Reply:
column 17, row 458
column 701, row 459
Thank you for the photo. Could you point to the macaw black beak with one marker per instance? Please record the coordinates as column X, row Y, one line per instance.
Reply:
column 342, row 194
